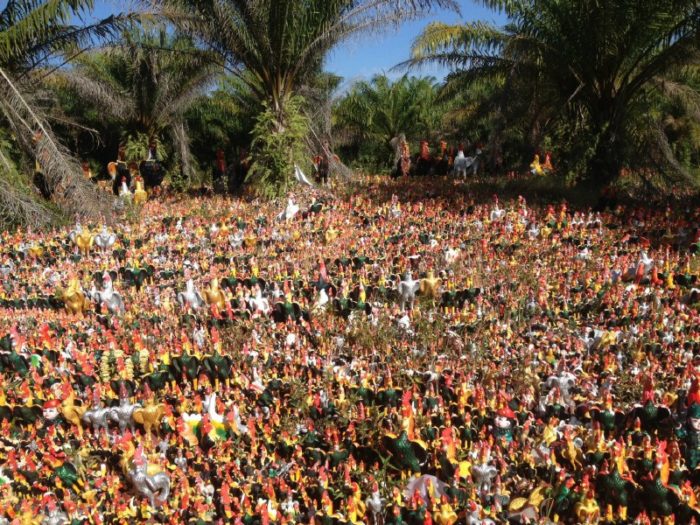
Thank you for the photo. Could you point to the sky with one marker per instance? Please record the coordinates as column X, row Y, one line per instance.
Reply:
column 365, row 56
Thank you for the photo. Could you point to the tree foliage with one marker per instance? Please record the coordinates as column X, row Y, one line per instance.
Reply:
column 32, row 33
column 278, row 146
column 277, row 46
column 583, row 72
column 145, row 84
column 374, row 112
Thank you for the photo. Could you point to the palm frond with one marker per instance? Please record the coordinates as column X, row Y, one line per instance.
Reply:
column 75, row 194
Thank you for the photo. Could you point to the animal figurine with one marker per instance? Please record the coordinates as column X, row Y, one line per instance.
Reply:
column 140, row 195
column 430, row 286
column 463, row 166
column 564, row 381
column 108, row 297
column 474, row 516
column 97, row 418
column 148, row 481
column 73, row 413
column 149, row 416
column 124, row 191
column 483, row 473
column 236, row 239
column 536, row 167
column 83, row 239
column 105, row 239
column 451, row 255
column 123, row 414
column 214, row 295
column 257, row 302
column 55, row 517
column 407, row 290
column 375, row 505
column 289, row 212
column 7, row 267
column 190, row 297
column 74, row 299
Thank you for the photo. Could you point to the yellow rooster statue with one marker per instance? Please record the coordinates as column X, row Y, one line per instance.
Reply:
column 84, row 241
column 73, row 297
column 140, row 195
column 213, row 295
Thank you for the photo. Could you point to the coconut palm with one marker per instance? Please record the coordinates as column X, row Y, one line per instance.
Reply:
column 374, row 112
column 586, row 64
column 32, row 34
column 280, row 44
column 146, row 83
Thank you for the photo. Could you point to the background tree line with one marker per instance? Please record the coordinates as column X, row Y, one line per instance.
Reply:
column 609, row 87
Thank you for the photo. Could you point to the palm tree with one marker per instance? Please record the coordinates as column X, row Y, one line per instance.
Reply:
column 280, row 44
column 32, row 34
column 373, row 113
column 146, row 83
column 585, row 64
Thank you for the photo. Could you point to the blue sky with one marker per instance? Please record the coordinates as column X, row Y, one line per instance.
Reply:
column 365, row 56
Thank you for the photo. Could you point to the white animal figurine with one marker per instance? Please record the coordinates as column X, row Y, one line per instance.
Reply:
column 407, row 290
column 124, row 191
column 105, row 239
column 289, row 212
column 190, row 297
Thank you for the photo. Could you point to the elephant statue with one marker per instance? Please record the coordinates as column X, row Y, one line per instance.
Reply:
column 464, row 166
column 214, row 295
column 74, row 299
column 105, row 240
column 82, row 238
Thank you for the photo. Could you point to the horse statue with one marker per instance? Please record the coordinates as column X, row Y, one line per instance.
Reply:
column 148, row 481
column 484, row 473
column 108, row 297
column 97, row 418
column 190, row 297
